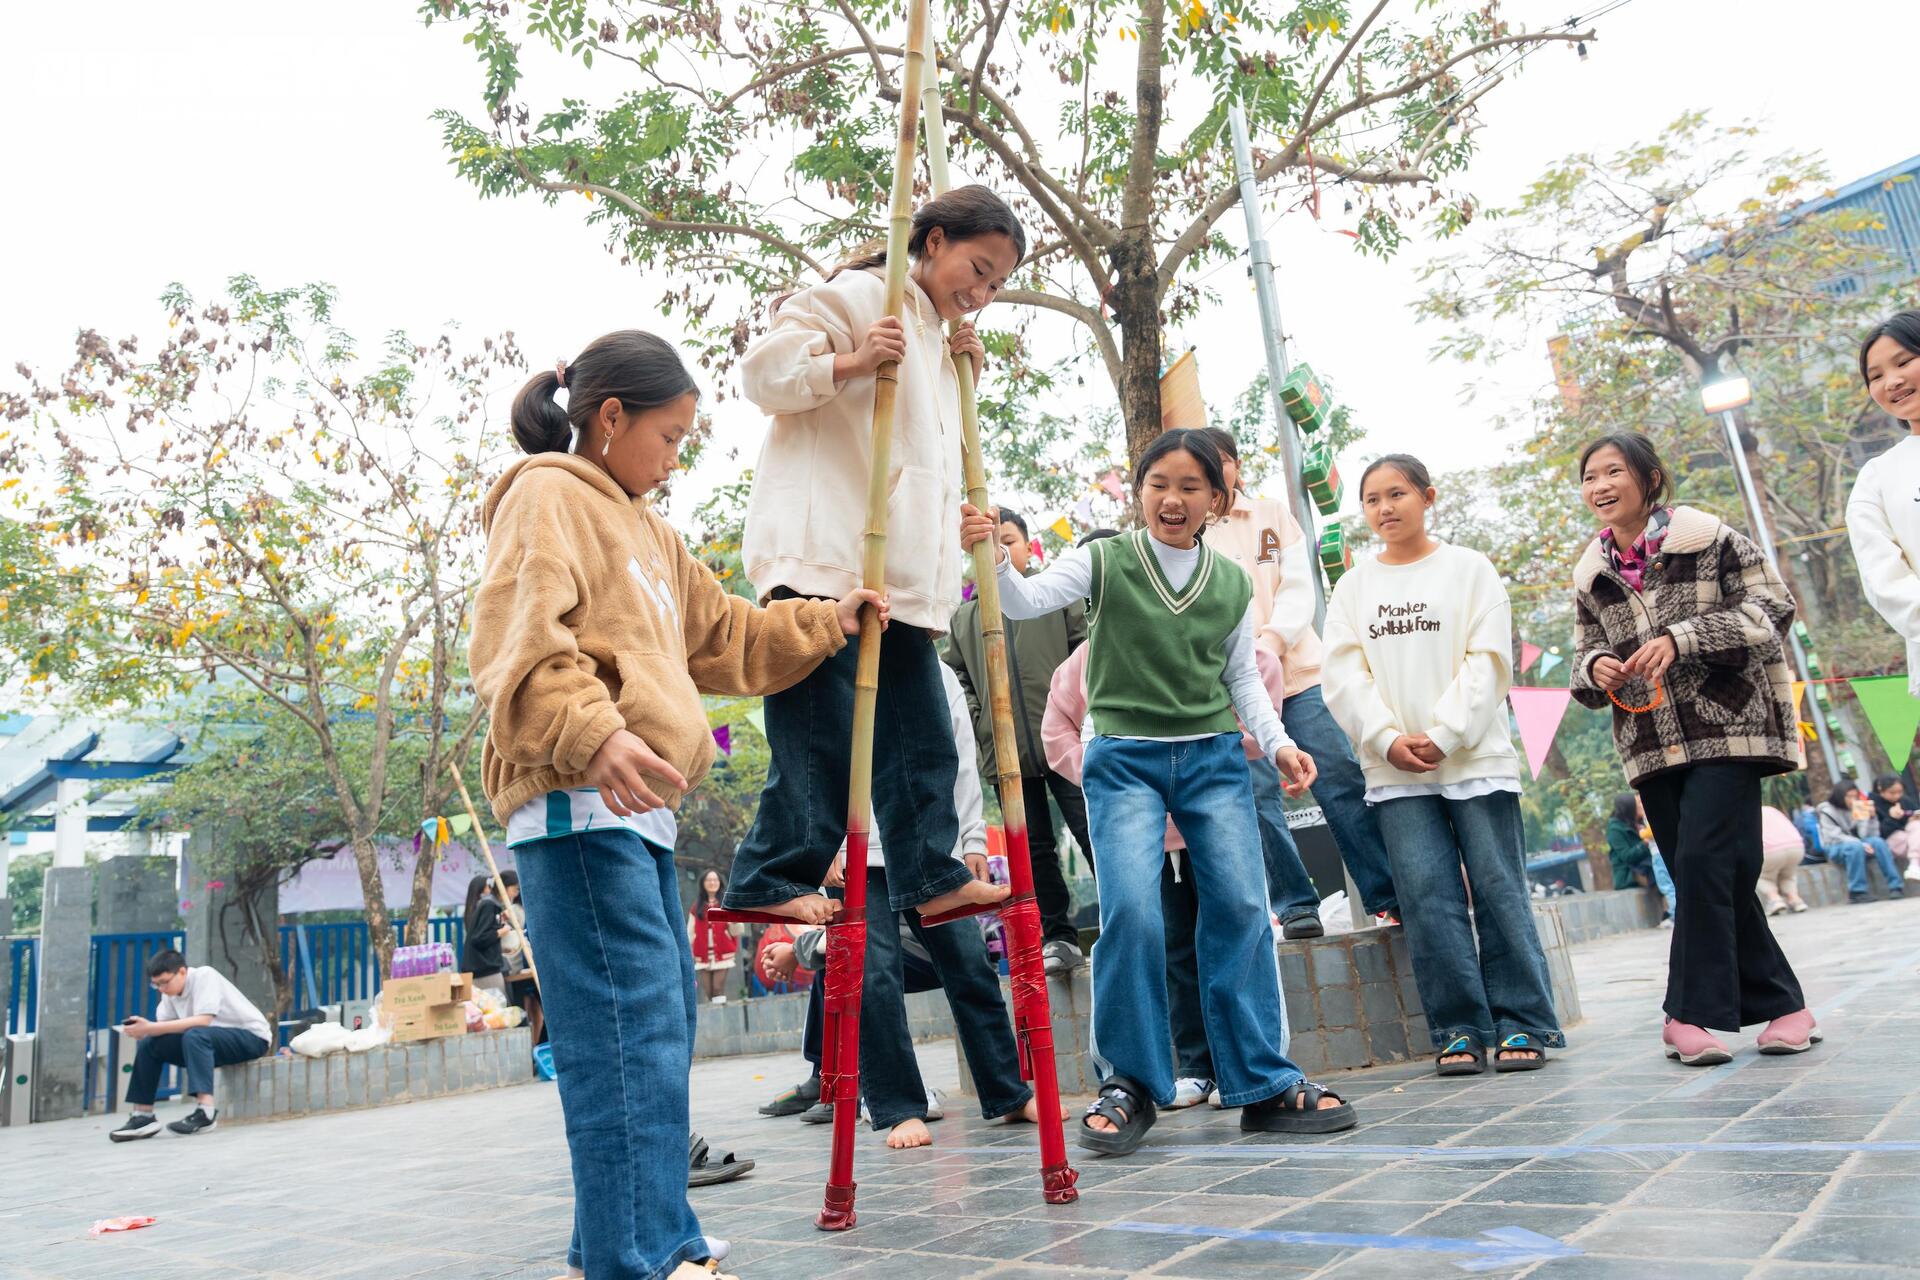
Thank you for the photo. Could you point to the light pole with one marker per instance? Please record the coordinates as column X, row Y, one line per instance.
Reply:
column 1725, row 393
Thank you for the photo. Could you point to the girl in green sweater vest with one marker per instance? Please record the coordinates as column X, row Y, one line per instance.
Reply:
column 1170, row 661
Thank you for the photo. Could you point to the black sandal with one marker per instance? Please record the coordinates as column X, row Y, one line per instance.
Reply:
column 704, row 1172
column 1460, row 1045
column 1127, row 1107
column 1298, row 1110
column 1522, row 1042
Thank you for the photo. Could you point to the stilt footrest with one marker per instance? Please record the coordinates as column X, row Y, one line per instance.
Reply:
column 962, row 913
column 725, row 916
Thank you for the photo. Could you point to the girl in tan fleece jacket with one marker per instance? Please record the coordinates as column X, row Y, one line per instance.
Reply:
column 594, row 634
column 813, row 371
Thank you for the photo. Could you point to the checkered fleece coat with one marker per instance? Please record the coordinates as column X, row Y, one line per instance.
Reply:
column 1729, row 693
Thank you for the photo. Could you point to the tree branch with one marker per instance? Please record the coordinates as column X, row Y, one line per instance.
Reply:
column 1333, row 68
column 1136, row 204
column 873, row 50
column 1102, row 331
column 654, row 222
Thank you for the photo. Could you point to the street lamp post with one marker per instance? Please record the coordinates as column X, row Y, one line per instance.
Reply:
column 1721, row 397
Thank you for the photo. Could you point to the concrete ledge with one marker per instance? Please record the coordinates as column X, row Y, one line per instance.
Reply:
column 1610, row 911
column 775, row 1024
column 279, row 1088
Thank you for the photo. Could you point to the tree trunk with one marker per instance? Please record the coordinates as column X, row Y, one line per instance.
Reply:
column 420, row 899
column 1136, row 306
column 366, row 857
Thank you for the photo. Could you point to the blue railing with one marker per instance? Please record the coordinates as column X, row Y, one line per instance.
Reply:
column 23, row 986
column 331, row 963
column 117, row 989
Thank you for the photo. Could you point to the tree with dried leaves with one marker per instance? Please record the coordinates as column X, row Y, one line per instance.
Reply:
column 255, row 503
column 746, row 146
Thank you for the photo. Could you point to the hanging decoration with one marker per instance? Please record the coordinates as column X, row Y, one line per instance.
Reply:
column 1304, row 399
column 1548, row 662
column 1110, row 484
column 1537, row 713
column 1893, row 712
column 723, row 738
column 1062, row 529
column 1322, row 477
column 1530, row 654
column 1335, row 556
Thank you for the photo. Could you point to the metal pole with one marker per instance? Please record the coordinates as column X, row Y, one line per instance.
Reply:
column 1764, row 536
column 1269, row 299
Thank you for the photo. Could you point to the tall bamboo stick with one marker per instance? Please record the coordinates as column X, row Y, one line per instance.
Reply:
column 1032, row 1016
column 846, row 941
column 493, row 870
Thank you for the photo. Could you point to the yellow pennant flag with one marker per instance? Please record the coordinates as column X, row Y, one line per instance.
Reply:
column 1799, row 696
column 1062, row 530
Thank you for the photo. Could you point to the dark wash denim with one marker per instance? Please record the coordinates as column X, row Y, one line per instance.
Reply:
column 1132, row 787
column 198, row 1049
column 803, row 809
column 1180, row 907
column 1502, row 988
column 1341, row 793
column 617, row 979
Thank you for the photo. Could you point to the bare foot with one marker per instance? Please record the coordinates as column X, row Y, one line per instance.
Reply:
column 1031, row 1113
column 812, row 908
column 971, row 894
column 909, row 1133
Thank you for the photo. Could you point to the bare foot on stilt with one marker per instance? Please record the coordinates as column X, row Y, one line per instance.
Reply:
column 973, row 893
column 909, row 1133
column 1030, row 1114
column 812, row 908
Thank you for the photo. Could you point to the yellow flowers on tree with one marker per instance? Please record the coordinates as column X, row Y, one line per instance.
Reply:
column 257, row 509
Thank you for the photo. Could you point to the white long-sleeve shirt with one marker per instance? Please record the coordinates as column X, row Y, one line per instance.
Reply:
column 1070, row 578
column 1883, row 523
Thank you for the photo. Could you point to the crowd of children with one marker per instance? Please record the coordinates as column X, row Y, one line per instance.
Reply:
column 1182, row 686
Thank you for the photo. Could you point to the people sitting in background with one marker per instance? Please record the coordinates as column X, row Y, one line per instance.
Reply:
column 481, row 953
column 1849, row 839
column 1899, row 821
column 1631, row 853
column 203, row 1022
column 1781, row 848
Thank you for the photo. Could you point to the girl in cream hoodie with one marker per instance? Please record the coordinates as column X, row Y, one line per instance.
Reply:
column 813, row 371
column 1419, row 650
column 594, row 634
column 1883, row 512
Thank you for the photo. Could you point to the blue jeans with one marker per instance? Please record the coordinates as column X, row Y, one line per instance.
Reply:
column 1341, row 793
column 1504, row 990
column 1852, row 857
column 1180, row 908
column 198, row 1049
column 889, row 1073
column 1661, row 880
column 617, row 978
column 1132, row 787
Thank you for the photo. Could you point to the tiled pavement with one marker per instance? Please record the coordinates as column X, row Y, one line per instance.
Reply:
column 1612, row 1162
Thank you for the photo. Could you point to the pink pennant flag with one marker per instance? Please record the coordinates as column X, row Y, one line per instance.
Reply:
column 1529, row 654
column 1111, row 483
column 1538, row 713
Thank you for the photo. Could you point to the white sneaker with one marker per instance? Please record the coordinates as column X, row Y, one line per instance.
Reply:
column 1213, row 1099
column 1189, row 1091
column 1913, row 869
column 936, row 1104
column 1666, row 922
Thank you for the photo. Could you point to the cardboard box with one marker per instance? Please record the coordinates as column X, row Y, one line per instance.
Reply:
column 433, row 1023
column 427, row 1008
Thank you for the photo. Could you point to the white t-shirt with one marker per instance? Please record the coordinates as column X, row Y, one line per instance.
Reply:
column 208, row 992
column 576, row 812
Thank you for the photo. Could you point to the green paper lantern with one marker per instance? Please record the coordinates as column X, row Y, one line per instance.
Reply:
column 1335, row 556
column 1304, row 399
column 1322, row 478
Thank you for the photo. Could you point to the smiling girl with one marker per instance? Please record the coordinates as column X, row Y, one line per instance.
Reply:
column 594, row 632
column 1679, row 623
column 1419, row 658
column 1883, row 512
column 1169, row 661
column 814, row 371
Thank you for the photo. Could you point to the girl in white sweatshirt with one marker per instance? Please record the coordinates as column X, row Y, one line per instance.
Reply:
column 1883, row 512
column 814, row 371
column 1419, row 645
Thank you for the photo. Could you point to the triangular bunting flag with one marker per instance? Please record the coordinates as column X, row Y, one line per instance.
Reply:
column 1538, row 713
column 1892, row 711
column 460, row 823
column 1114, row 489
column 758, row 719
column 1799, row 696
column 723, row 738
column 1529, row 654
column 1062, row 530
column 1548, row 661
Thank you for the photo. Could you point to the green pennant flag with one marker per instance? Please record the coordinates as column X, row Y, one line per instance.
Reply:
column 757, row 718
column 1892, row 711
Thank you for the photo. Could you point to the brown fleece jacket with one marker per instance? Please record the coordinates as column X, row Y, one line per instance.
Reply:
column 592, row 616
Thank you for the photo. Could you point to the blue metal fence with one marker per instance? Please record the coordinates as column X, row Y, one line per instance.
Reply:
column 118, row 989
column 330, row 963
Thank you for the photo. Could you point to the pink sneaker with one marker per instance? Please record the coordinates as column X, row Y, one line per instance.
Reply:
column 1695, row 1046
column 1795, row 1033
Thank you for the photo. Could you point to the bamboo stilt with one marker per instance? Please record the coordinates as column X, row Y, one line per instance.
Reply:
column 1032, row 1015
column 493, row 872
column 847, row 939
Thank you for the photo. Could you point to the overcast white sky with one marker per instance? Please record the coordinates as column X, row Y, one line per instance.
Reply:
column 187, row 142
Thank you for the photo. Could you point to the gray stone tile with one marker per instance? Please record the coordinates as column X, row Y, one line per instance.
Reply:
column 1880, row 1242
column 1668, row 1233
column 1006, row 1238
column 1741, row 1191
column 1546, row 1185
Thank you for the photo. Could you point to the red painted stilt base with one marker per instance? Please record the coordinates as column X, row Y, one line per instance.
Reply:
column 837, row 1214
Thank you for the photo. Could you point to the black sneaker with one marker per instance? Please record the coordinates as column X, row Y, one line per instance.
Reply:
column 1857, row 898
column 818, row 1113
column 138, row 1125
column 1303, row 927
column 794, row 1100
column 1896, row 892
column 198, row 1122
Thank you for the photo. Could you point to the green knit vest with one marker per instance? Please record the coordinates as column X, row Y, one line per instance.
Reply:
column 1155, row 655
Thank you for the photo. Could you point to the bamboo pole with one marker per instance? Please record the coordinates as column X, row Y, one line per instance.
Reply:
column 1032, row 1016
column 846, row 940
column 493, row 871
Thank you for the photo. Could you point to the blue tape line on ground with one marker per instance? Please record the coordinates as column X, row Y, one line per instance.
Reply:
column 1305, row 1151
column 1502, row 1247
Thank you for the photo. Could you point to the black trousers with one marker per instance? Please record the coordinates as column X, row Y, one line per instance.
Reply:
column 1050, row 891
column 1725, row 970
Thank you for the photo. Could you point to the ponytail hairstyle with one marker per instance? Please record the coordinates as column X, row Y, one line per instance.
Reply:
column 964, row 213
column 1194, row 441
column 636, row 368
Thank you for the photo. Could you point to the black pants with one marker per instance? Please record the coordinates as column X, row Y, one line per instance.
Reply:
column 1186, row 1013
column 1725, row 970
column 803, row 809
column 1043, row 846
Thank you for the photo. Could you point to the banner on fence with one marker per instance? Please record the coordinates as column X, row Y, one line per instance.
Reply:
column 333, row 884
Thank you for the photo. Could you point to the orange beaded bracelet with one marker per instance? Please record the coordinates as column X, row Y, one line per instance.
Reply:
column 1658, row 694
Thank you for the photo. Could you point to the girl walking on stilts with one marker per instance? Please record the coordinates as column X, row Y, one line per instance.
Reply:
column 1419, row 658
column 1170, row 660
column 814, row 371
